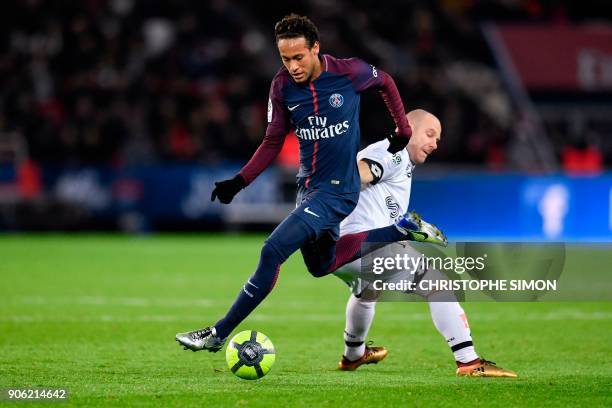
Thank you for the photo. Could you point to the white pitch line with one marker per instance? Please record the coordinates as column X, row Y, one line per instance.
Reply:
column 130, row 301
column 566, row 315
column 111, row 301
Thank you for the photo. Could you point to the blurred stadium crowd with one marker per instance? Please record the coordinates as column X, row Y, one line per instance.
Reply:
column 123, row 82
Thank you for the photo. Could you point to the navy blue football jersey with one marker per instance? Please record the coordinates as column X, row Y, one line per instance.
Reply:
column 324, row 115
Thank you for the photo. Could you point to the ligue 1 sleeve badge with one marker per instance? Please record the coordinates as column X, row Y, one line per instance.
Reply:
column 336, row 100
column 269, row 110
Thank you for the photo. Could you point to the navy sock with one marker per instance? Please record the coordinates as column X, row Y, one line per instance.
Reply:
column 290, row 235
column 384, row 235
column 253, row 292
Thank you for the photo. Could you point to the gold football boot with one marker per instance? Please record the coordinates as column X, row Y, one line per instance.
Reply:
column 372, row 355
column 484, row 368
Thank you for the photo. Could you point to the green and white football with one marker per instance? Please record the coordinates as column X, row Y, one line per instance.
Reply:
column 250, row 355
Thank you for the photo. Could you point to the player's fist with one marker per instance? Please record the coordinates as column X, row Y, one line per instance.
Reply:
column 397, row 142
column 227, row 189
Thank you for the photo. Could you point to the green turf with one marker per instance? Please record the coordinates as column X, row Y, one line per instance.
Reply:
column 97, row 315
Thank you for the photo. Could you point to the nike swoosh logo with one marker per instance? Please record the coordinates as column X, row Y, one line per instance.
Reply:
column 292, row 108
column 307, row 211
column 422, row 235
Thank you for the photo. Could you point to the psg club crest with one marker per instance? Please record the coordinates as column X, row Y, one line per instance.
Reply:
column 336, row 100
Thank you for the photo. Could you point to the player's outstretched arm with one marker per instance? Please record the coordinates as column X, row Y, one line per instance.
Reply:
column 226, row 190
column 366, row 76
column 266, row 153
column 278, row 127
column 391, row 96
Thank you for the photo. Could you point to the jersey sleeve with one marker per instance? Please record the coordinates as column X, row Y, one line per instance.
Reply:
column 363, row 75
column 382, row 165
column 278, row 116
column 278, row 127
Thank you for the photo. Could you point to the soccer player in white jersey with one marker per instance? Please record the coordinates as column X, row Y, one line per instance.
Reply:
column 387, row 181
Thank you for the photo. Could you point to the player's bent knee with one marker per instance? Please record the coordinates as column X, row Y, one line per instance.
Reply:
column 264, row 278
column 316, row 271
column 319, row 256
column 270, row 253
column 317, row 268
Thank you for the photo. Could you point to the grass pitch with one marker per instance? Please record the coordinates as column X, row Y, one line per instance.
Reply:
column 97, row 315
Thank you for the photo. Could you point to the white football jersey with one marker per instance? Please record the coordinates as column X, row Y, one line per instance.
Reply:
column 383, row 201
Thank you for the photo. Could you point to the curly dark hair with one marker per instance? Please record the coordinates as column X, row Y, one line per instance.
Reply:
column 295, row 26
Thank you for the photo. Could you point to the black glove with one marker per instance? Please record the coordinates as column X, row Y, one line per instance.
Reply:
column 227, row 189
column 396, row 143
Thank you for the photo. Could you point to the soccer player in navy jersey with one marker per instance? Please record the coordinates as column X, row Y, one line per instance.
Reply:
column 318, row 96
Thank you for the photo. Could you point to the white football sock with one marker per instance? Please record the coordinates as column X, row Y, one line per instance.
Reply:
column 359, row 316
column 450, row 320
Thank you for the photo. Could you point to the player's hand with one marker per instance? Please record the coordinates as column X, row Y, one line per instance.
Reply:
column 397, row 142
column 227, row 189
